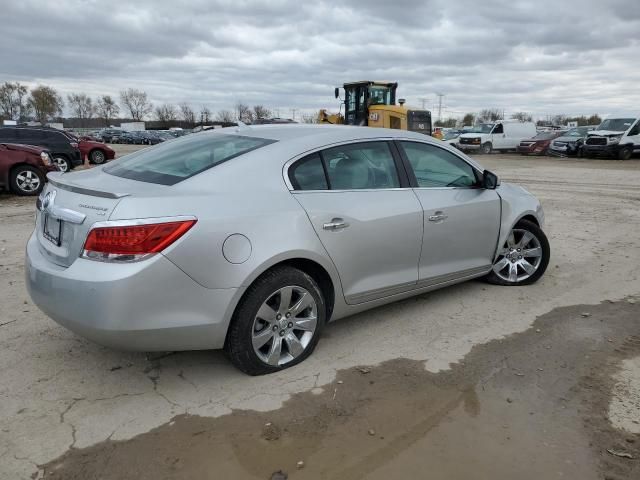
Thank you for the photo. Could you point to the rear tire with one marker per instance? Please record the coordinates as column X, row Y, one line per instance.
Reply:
column 26, row 180
column 527, row 259
column 267, row 333
column 486, row 148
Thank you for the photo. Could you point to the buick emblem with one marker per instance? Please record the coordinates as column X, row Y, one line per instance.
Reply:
column 49, row 198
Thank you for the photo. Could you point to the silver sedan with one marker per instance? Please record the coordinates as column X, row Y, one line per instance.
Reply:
column 252, row 238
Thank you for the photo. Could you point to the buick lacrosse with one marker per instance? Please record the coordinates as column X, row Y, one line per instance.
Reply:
column 252, row 238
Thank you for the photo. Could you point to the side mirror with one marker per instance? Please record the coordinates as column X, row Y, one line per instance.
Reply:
column 336, row 92
column 490, row 180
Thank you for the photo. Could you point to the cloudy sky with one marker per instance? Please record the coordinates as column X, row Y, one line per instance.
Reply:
column 544, row 57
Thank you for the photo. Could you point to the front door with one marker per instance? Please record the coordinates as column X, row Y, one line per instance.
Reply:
column 461, row 220
column 369, row 223
column 499, row 138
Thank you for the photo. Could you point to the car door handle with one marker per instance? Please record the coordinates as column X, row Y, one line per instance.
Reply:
column 335, row 224
column 438, row 217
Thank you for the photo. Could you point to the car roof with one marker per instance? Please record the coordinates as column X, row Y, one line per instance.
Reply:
column 314, row 134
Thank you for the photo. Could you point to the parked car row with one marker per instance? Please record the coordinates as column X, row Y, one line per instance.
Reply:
column 138, row 137
column 27, row 154
column 618, row 136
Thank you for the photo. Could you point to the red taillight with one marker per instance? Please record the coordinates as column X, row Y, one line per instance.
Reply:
column 135, row 239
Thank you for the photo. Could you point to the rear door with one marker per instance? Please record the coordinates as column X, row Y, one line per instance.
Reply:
column 365, row 214
column 461, row 220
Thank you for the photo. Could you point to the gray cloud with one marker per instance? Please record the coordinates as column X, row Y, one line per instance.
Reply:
column 543, row 56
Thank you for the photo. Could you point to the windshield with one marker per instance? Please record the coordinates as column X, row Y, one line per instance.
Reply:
column 482, row 128
column 616, row 124
column 451, row 135
column 577, row 132
column 379, row 95
column 546, row 135
column 171, row 162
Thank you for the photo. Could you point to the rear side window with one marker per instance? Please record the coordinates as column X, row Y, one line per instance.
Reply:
column 308, row 174
column 176, row 160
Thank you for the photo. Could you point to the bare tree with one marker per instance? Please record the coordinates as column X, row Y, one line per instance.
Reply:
column 187, row 113
column 225, row 116
column 136, row 102
column 490, row 115
column 46, row 103
column 13, row 101
column 81, row 106
column 522, row 116
column 594, row 120
column 107, row 108
column 447, row 123
column 166, row 113
column 205, row 115
column 261, row 113
column 468, row 119
column 560, row 119
column 244, row 113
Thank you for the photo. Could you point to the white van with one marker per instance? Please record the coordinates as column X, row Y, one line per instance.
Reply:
column 502, row 135
column 617, row 136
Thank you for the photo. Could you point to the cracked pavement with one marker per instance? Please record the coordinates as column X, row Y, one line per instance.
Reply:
column 59, row 391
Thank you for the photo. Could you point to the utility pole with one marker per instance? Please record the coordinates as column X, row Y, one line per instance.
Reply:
column 293, row 114
column 424, row 102
column 440, row 96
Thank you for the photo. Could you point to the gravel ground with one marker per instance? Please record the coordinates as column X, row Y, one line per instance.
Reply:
column 67, row 406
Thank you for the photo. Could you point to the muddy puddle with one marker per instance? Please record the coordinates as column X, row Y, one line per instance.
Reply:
column 531, row 406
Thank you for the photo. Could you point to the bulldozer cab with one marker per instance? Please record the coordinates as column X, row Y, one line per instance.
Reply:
column 359, row 96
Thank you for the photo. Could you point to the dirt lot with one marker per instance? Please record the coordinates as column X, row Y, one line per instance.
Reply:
column 473, row 381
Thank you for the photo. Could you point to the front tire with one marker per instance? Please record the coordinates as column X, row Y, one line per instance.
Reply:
column 63, row 163
column 26, row 180
column 625, row 153
column 486, row 148
column 524, row 257
column 97, row 157
column 277, row 323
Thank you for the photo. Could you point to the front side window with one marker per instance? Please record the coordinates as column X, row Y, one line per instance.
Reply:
column 171, row 162
column 635, row 130
column 367, row 165
column 436, row 167
column 499, row 129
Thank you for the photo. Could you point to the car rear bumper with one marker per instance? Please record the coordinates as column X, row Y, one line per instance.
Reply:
column 145, row 306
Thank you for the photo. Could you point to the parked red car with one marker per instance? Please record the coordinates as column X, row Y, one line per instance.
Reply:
column 96, row 152
column 539, row 144
column 24, row 168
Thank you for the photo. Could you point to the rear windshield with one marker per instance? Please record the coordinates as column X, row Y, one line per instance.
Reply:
column 176, row 160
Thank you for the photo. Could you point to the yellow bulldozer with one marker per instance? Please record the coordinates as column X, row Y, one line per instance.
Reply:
column 373, row 104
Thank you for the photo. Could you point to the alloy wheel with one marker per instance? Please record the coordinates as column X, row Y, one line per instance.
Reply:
column 62, row 164
column 520, row 257
column 28, row 181
column 98, row 157
column 284, row 325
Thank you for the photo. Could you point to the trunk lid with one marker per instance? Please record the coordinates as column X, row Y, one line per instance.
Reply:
column 72, row 203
